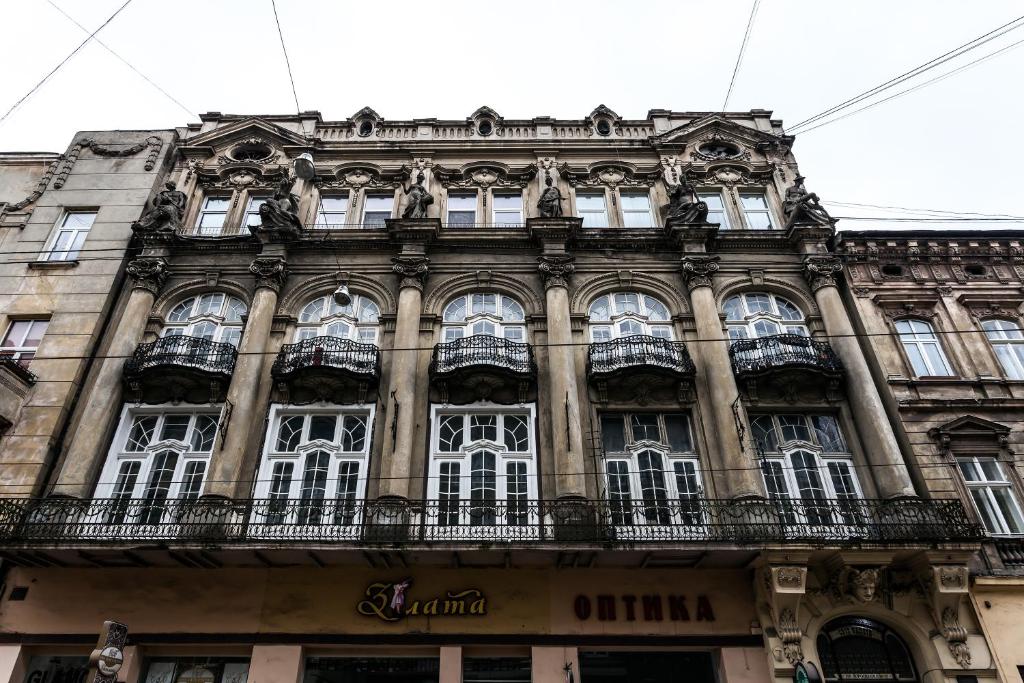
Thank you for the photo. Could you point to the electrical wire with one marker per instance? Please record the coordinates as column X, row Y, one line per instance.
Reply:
column 743, row 49
column 913, row 210
column 63, row 62
column 287, row 62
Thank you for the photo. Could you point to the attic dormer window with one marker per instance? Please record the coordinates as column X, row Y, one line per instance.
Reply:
column 604, row 127
column 719, row 150
column 365, row 128
column 485, row 127
column 251, row 151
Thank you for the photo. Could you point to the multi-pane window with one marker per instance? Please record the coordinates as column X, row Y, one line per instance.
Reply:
column 324, row 317
column 756, row 213
column 805, row 458
column 482, row 467
column 653, row 475
column 507, row 208
column 314, row 466
column 636, row 210
column 213, row 316
column 486, row 313
column 591, row 207
column 22, row 339
column 376, row 209
column 625, row 314
column 69, row 236
column 760, row 314
column 922, row 347
column 716, row 209
column 992, row 494
column 252, row 212
column 213, row 216
column 157, row 456
column 461, row 208
column 1007, row 340
column 333, row 211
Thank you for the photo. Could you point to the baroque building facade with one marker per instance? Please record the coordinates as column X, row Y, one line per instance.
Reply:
column 500, row 400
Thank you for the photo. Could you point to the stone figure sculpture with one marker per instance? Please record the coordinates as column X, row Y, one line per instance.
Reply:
column 281, row 212
column 803, row 207
column 550, row 202
column 684, row 208
column 166, row 214
column 419, row 199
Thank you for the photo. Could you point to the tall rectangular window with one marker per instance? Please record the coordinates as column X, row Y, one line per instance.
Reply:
column 22, row 339
column 252, row 212
column 461, row 208
column 923, row 348
column 213, row 216
column 636, row 210
column 716, row 209
column 332, row 212
column 508, row 208
column 69, row 236
column 591, row 207
column 992, row 494
column 756, row 212
column 377, row 209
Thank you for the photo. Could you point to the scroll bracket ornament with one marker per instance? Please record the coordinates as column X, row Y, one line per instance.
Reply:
column 945, row 588
column 784, row 587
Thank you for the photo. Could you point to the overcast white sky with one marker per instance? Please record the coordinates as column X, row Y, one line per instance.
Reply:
column 953, row 145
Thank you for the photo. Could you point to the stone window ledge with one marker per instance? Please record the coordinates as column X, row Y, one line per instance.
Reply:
column 52, row 265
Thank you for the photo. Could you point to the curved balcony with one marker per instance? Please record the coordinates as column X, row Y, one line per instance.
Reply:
column 640, row 363
column 483, row 367
column 792, row 358
column 179, row 367
column 327, row 368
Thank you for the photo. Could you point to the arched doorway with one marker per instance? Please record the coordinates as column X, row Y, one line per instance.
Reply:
column 863, row 650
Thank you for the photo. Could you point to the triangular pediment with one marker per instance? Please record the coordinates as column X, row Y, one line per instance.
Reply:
column 485, row 112
column 251, row 127
column 603, row 111
column 366, row 113
column 972, row 425
column 715, row 126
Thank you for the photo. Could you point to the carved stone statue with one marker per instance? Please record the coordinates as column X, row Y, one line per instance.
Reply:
column 166, row 214
column 281, row 212
column 684, row 208
column 550, row 202
column 856, row 585
column 419, row 199
column 803, row 207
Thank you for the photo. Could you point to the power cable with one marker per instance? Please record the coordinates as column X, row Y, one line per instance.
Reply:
column 63, row 61
column 298, row 110
column 743, row 49
column 913, row 210
column 916, row 71
column 124, row 61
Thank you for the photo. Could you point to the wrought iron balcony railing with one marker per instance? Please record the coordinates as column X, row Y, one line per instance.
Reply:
column 783, row 351
column 610, row 357
column 62, row 521
column 355, row 358
column 483, row 350
column 179, row 351
column 19, row 367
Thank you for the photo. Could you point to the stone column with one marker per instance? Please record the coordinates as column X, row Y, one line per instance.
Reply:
column 101, row 400
column 242, row 399
column 567, row 437
column 400, row 408
column 740, row 471
column 880, row 445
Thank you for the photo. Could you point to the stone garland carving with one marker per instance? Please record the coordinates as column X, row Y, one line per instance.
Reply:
column 555, row 270
column 698, row 270
column 148, row 274
column 821, row 271
column 36, row 193
column 611, row 175
column 154, row 144
column 166, row 214
column 270, row 272
column 412, row 270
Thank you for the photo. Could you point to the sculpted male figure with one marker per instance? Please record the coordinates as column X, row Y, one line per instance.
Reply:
column 166, row 214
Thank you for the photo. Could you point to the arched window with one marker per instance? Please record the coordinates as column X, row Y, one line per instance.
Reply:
column 863, row 650
column 625, row 314
column 484, row 313
column 923, row 348
column 1007, row 340
column 759, row 314
column 323, row 317
column 214, row 316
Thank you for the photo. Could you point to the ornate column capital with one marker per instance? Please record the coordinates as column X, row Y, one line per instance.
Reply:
column 698, row 270
column 411, row 270
column 555, row 270
column 148, row 274
column 270, row 272
column 821, row 271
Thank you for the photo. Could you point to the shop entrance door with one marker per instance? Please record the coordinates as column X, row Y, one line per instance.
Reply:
column 646, row 667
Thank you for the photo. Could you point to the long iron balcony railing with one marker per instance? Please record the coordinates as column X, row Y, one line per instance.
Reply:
column 180, row 351
column 610, row 357
column 63, row 521
column 483, row 350
column 356, row 358
column 783, row 351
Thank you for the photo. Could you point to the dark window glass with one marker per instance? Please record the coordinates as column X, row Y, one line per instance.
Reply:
column 646, row 667
column 678, row 428
column 495, row 669
column 371, row 670
column 645, row 427
column 613, row 433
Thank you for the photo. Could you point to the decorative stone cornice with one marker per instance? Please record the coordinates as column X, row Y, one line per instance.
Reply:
column 556, row 269
column 270, row 272
column 411, row 270
column 698, row 270
column 148, row 274
column 821, row 271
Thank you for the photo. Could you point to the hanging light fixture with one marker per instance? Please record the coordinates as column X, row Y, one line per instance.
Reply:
column 342, row 296
column 303, row 165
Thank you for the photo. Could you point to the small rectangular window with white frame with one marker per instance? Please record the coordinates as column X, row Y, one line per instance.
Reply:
column 461, row 209
column 636, row 210
column 69, row 236
column 756, row 212
column 252, row 211
column 333, row 211
column 213, row 216
column 507, row 209
column 992, row 494
column 592, row 208
column 717, row 212
column 22, row 339
column 377, row 208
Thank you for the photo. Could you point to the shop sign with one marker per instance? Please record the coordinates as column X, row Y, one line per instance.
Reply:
column 393, row 601
column 648, row 607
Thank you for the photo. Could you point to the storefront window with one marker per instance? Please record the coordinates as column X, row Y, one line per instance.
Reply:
column 57, row 669
column 496, row 670
column 197, row 670
column 371, row 670
column 646, row 667
column 854, row 649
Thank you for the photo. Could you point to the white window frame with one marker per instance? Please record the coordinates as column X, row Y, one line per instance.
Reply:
column 366, row 209
column 212, row 231
column 360, row 330
column 651, row 223
column 498, row 215
column 767, row 211
column 471, row 195
column 920, row 341
column 703, row 194
column 18, row 351
column 324, row 220
column 984, row 488
column 605, row 217
column 620, row 317
column 512, row 329
column 77, row 234
column 1007, row 340
column 747, row 326
column 251, row 218
column 228, row 331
